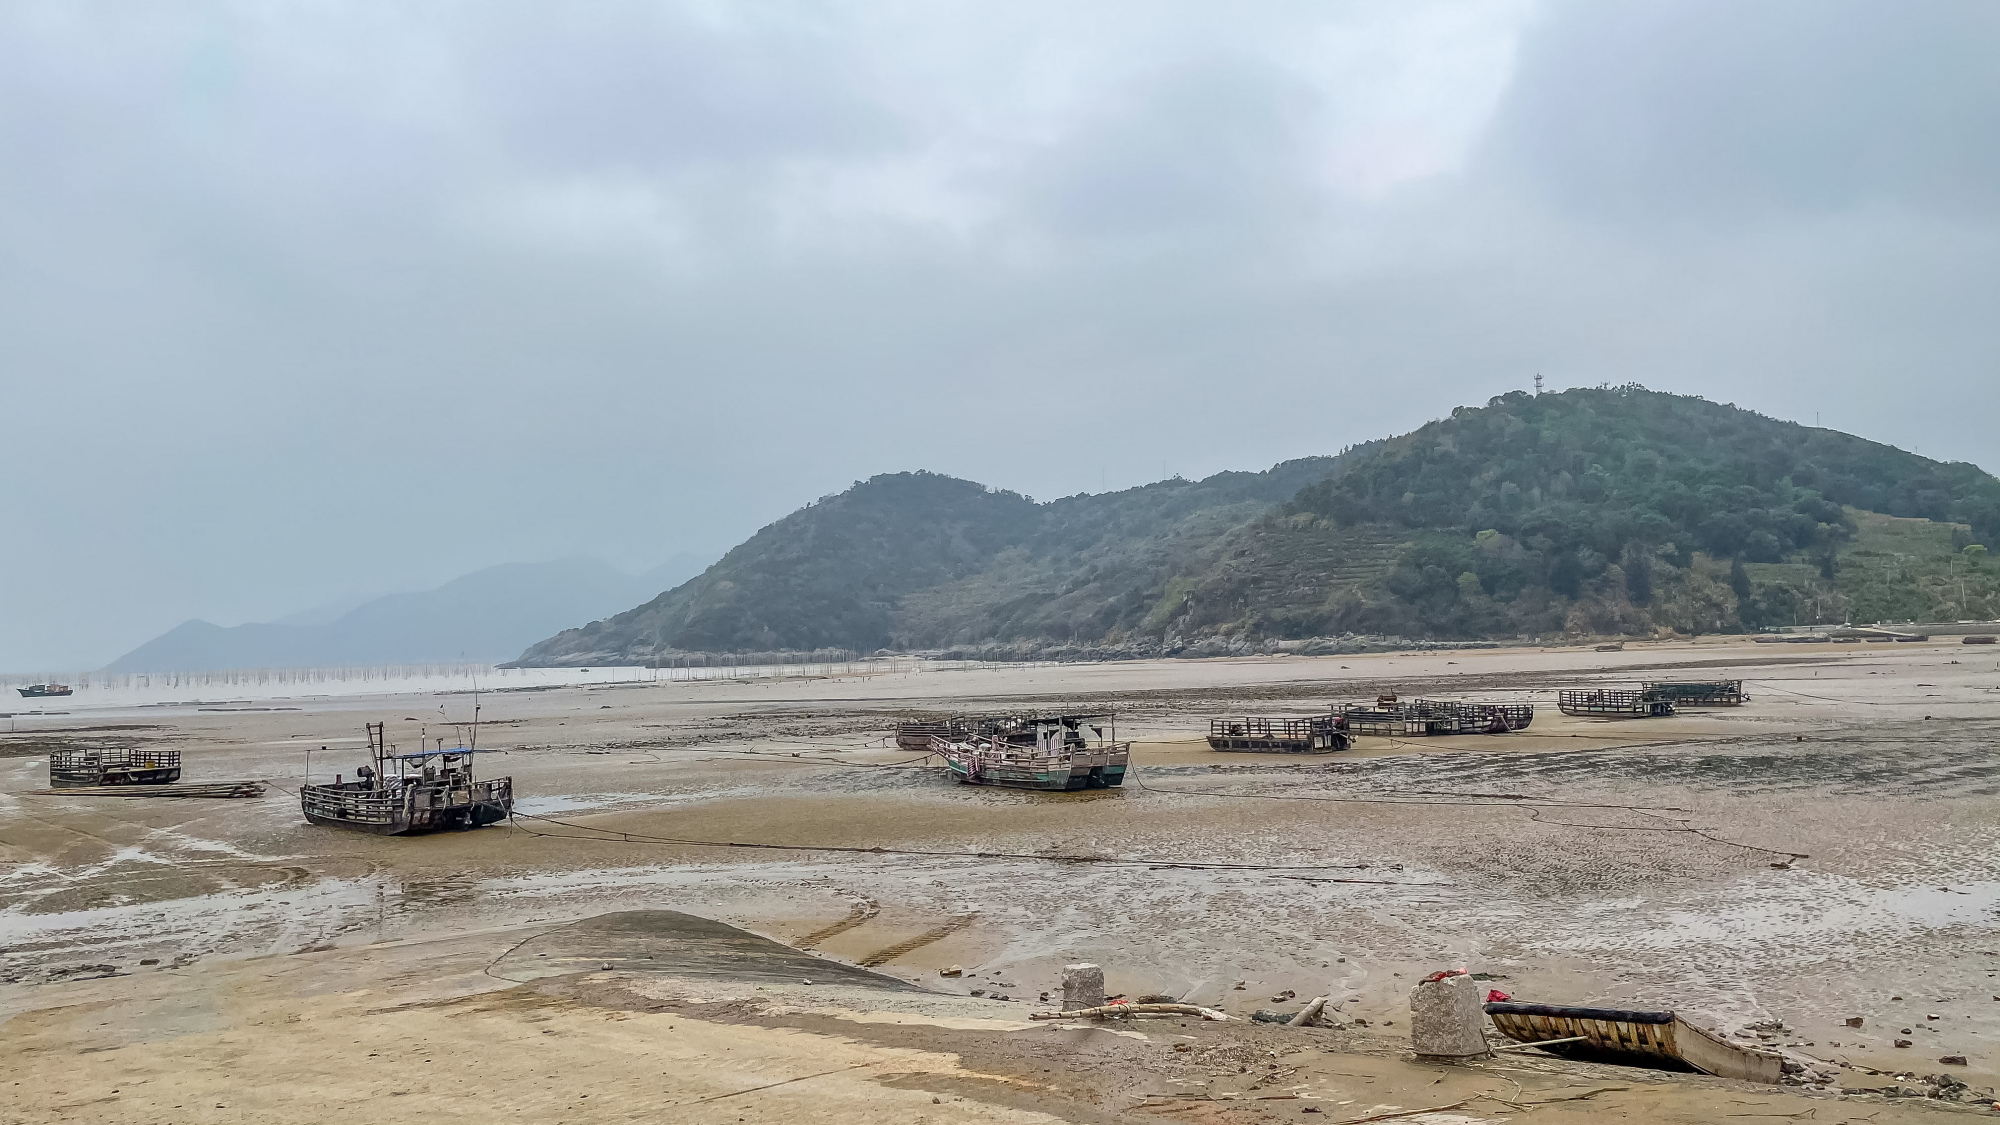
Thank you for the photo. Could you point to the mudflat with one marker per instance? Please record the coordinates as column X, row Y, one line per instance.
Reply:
column 1825, row 851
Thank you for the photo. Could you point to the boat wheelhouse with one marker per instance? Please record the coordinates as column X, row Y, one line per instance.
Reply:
column 426, row 791
column 1040, row 752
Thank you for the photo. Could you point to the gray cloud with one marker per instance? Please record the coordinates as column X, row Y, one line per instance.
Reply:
column 296, row 300
column 1708, row 110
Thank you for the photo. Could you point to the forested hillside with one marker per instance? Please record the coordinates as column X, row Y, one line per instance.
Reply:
column 1616, row 510
column 919, row 560
column 1592, row 511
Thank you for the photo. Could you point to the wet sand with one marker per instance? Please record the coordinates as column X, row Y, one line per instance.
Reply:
column 1825, row 851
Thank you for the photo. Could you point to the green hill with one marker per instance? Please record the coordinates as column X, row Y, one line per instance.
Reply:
column 923, row 561
column 1608, row 510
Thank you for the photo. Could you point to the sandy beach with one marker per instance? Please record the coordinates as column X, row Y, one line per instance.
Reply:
column 1825, row 851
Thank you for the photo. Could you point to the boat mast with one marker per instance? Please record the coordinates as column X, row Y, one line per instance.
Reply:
column 378, row 743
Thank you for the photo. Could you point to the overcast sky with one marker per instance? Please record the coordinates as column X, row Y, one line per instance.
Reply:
column 299, row 299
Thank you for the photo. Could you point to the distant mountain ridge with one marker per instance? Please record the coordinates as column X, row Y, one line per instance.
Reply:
column 1604, row 510
column 485, row 616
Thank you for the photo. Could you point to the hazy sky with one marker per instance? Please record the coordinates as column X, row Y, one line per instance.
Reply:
column 303, row 298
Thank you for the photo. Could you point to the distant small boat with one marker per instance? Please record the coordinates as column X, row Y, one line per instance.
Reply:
column 1662, row 1040
column 41, row 691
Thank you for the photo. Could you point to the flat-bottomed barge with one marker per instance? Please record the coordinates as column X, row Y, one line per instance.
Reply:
column 71, row 769
column 1598, row 703
column 1316, row 734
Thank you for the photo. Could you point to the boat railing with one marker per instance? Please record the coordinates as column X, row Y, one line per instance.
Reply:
column 1697, row 693
column 363, row 806
column 1008, row 752
column 92, row 766
column 1612, row 703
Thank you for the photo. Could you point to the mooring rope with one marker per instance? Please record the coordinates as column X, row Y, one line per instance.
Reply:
column 609, row 835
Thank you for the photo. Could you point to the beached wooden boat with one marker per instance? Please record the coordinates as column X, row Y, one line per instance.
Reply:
column 76, row 768
column 401, row 794
column 1419, row 718
column 1396, row 720
column 1037, row 753
column 1662, row 1040
column 1495, row 718
column 1598, row 703
column 1699, row 693
column 1314, row 734
column 917, row 735
column 1474, row 718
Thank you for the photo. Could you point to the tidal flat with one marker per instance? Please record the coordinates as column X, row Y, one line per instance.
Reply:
column 1823, row 852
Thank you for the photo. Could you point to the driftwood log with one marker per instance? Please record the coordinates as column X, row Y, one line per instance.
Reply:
column 1113, row 1011
column 1310, row 1016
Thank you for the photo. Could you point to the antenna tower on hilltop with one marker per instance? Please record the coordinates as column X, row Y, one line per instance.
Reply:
column 1538, row 382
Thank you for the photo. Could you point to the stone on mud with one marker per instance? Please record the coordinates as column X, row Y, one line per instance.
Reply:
column 1083, row 987
column 1447, row 1018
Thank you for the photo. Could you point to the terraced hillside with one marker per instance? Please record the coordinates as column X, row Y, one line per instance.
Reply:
column 1893, row 569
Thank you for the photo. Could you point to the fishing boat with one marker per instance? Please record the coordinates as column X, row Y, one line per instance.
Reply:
column 43, row 691
column 1314, row 734
column 1662, row 1040
column 401, row 794
column 71, row 769
column 1051, row 752
column 1597, row 703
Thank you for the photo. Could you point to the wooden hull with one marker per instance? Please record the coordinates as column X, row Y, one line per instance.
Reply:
column 1661, row 1040
column 1250, row 745
column 1094, row 770
column 1697, row 693
column 164, row 776
column 69, row 769
column 409, row 812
